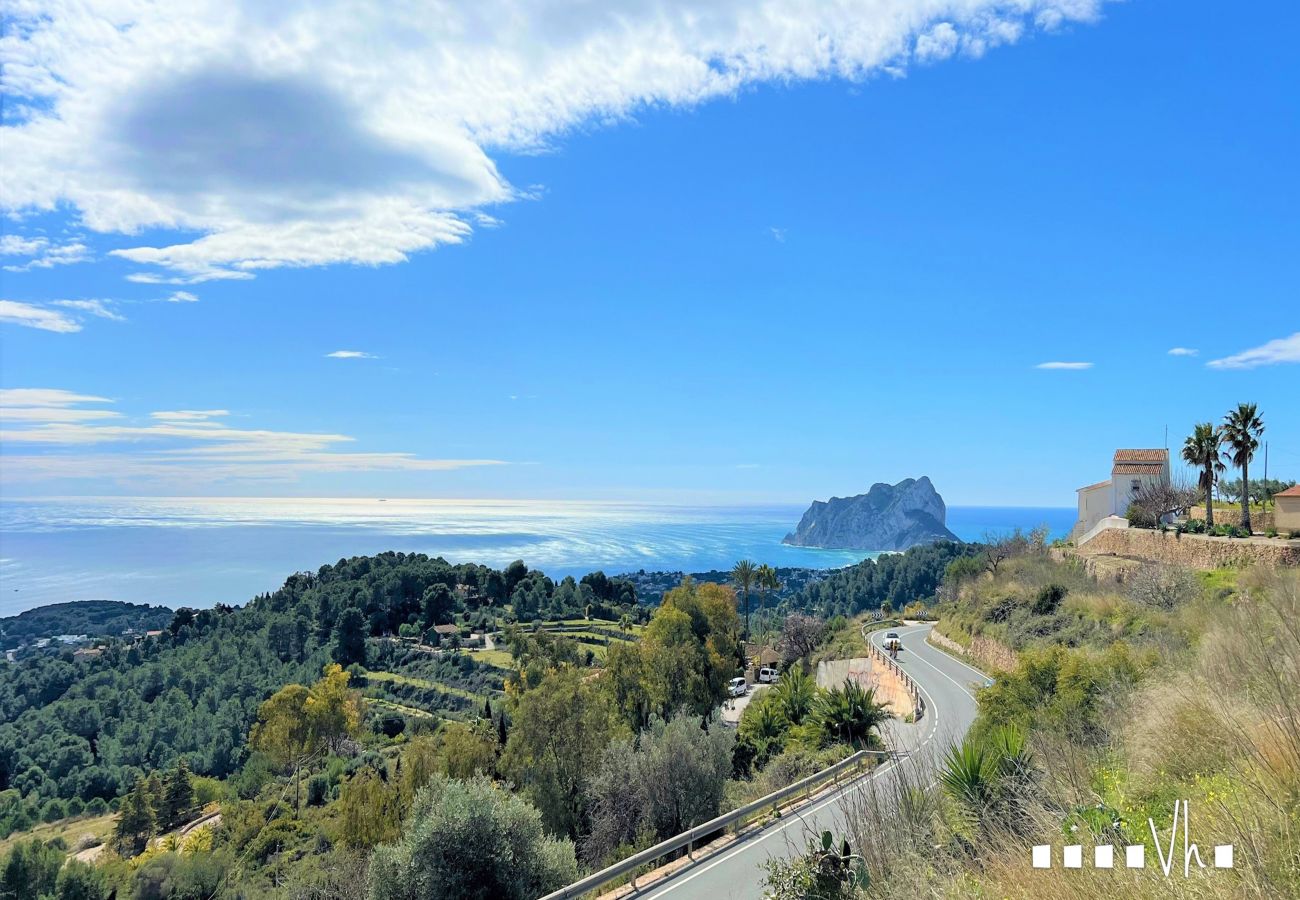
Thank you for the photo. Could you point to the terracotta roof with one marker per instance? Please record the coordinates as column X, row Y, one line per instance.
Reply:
column 1137, row 469
column 1289, row 492
column 1092, row 486
column 1136, row 456
column 447, row 629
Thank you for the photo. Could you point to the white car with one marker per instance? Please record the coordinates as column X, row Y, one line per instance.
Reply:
column 767, row 675
column 738, row 687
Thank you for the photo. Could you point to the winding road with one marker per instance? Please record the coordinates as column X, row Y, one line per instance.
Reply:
column 737, row 872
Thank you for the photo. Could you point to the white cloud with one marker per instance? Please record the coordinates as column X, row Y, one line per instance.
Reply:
column 1282, row 350
column 190, row 415
column 1069, row 366
column 44, row 405
column 186, row 446
column 46, row 255
column 940, row 42
column 778, row 235
column 14, row 312
column 182, row 297
column 98, row 308
column 46, row 397
column 350, row 354
column 382, row 117
column 17, row 245
column 1183, row 351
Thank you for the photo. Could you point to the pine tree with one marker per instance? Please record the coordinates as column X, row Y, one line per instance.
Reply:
column 136, row 822
column 487, row 708
column 153, row 791
column 178, row 795
column 501, row 728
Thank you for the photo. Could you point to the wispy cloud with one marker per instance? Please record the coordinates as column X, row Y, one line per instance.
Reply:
column 350, row 354
column 308, row 152
column 100, row 308
column 73, row 436
column 1069, row 366
column 182, row 297
column 778, row 235
column 44, row 255
column 1282, row 350
column 14, row 312
column 1183, row 351
column 46, row 397
column 190, row 415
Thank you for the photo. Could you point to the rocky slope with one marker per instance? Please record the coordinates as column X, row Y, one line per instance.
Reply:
column 887, row 517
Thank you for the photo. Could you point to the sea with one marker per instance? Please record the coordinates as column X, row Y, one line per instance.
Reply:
column 201, row 551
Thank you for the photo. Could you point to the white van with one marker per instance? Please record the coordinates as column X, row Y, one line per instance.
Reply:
column 738, row 687
column 767, row 675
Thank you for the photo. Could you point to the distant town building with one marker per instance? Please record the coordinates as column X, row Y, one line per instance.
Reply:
column 1130, row 471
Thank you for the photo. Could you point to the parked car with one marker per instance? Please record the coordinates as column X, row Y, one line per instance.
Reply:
column 767, row 675
column 738, row 687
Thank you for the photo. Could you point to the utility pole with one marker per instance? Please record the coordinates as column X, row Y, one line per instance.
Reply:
column 1267, row 493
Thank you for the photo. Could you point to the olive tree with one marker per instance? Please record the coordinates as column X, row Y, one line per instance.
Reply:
column 472, row 840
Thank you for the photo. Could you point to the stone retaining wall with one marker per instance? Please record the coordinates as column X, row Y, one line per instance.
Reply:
column 1196, row 551
column 1230, row 514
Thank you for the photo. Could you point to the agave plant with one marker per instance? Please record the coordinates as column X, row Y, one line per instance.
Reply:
column 969, row 776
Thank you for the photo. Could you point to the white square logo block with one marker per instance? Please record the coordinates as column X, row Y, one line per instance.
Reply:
column 1135, row 856
column 1072, row 856
column 1223, row 856
column 1103, row 856
column 1042, row 856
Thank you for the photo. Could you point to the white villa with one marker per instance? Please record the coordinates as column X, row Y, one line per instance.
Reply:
column 1130, row 471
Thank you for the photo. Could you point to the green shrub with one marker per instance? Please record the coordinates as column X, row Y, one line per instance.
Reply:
column 471, row 839
column 1139, row 517
column 1049, row 599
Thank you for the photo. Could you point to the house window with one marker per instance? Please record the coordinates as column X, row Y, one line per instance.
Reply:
column 1137, row 485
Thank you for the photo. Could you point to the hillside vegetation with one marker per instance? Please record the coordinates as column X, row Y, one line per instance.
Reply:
column 84, row 617
column 351, row 735
column 1113, row 701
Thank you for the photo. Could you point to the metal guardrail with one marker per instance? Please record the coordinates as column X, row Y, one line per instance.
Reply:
column 687, row 839
column 913, row 691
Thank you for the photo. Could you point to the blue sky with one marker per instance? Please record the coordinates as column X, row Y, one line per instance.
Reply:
column 741, row 275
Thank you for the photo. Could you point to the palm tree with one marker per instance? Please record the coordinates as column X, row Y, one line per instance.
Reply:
column 1201, row 451
column 1241, row 430
column 795, row 694
column 767, row 581
column 743, row 576
column 848, row 713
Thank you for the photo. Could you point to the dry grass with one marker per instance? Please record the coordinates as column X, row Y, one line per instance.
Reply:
column 1218, row 725
column 73, row 831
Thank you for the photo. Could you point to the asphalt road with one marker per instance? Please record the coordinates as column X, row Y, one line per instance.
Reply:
column 737, row 872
